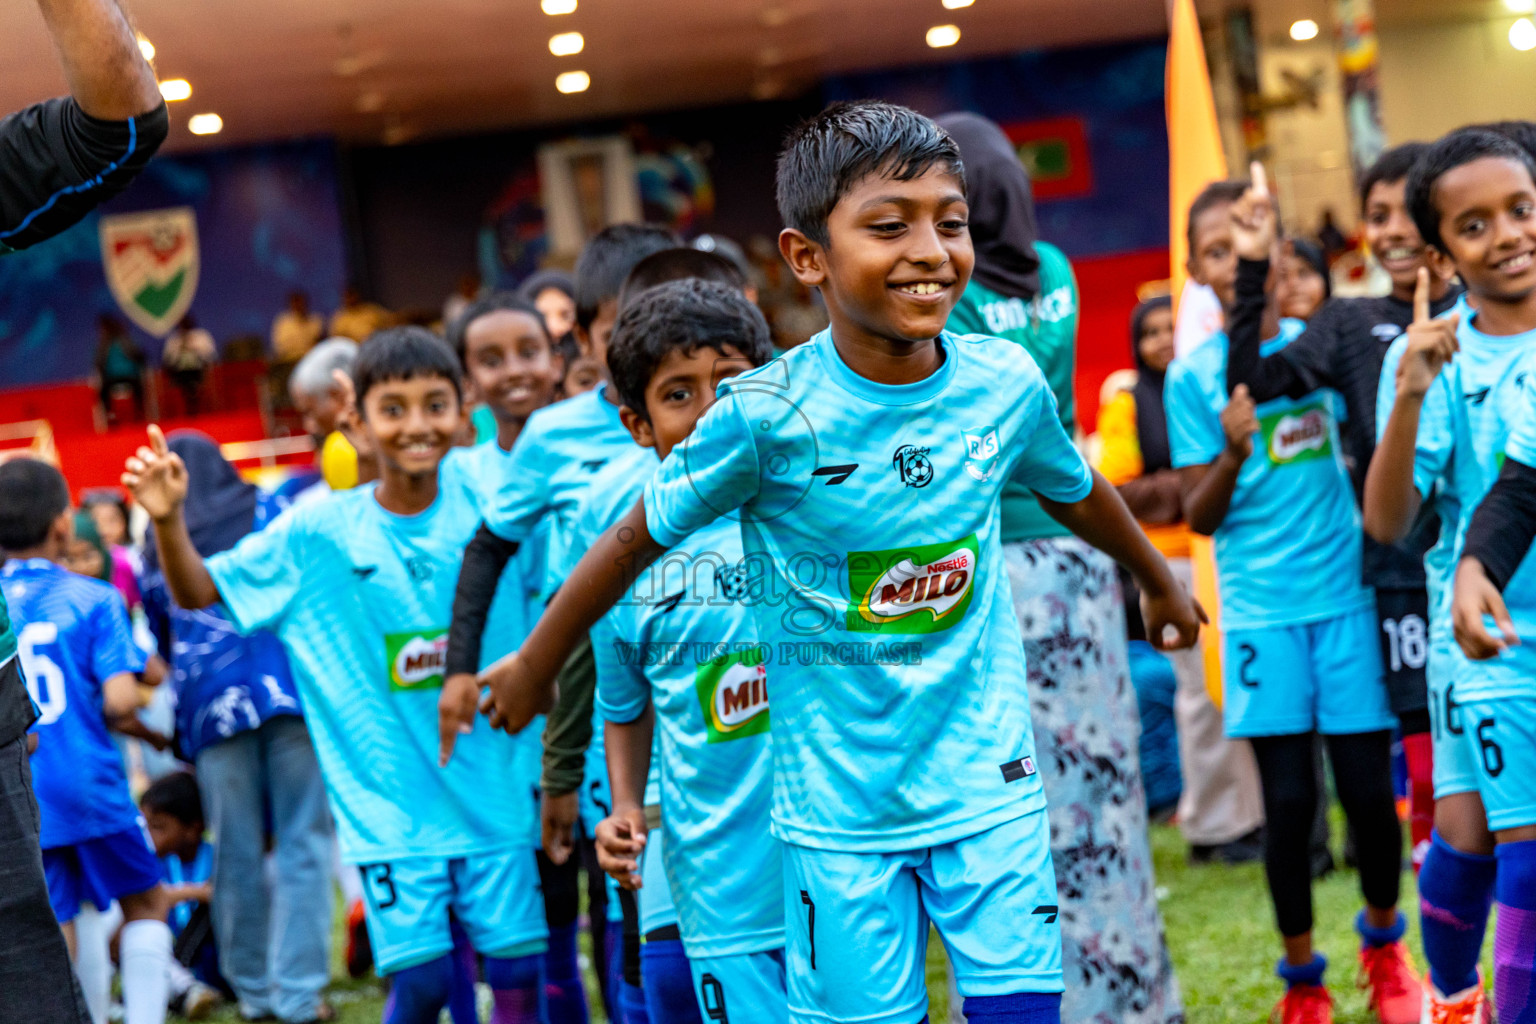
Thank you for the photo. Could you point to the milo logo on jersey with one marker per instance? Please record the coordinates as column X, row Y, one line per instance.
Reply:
column 1298, row 434
column 416, row 660
column 920, row 589
column 733, row 694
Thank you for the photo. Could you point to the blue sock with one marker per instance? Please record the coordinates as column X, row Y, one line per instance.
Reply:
column 1376, row 937
column 418, row 994
column 1455, row 892
column 517, row 984
column 669, row 995
column 1514, row 939
column 1017, row 1008
column 1303, row 974
column 566, row 998
column 461, row 997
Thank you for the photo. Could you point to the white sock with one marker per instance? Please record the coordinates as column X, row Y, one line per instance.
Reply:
column 93, row 965
column 180, row 979
column 145, row 955
column 351, row 882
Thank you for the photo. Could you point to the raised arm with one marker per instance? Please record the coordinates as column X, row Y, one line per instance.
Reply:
column 1254, row 232
column 99, row 51
column 157, row 478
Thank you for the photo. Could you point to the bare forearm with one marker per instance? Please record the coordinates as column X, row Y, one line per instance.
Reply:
column 1103, row 520
column 186, row 577
column 629, row 758
column 1209, row 498
column 99, row 51
column 1391, row 500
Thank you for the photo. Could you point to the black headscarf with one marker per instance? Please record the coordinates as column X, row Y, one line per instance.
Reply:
column 1310, row 253
column 1003, row 227
column 220, row 507
column 1151, row 422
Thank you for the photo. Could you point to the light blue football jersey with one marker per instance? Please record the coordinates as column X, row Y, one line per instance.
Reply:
column 72, row 636
column 561, row 449
column 869, row 521
column 1288, row 551
column 362, row 599
column 1465, row 425
column 683, row 639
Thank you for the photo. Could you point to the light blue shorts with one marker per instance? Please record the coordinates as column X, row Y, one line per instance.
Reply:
column 1455, row 766
column 857, row 923
column 495, row 897
column 656, row 907
column 1323, row 676
column 747, row 988
column 1500, row 740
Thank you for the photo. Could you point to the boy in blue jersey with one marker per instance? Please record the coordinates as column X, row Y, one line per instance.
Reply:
column 1453, row 389
column 173, row 816
column 865, row 469
column 1299, row 655
column 680, row 654
column 358, row 586
column 77, row 652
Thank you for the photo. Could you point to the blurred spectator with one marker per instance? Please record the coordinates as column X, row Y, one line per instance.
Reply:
column 1332, row 239
column 110, row 511
column 188, row 353
column 1220, row 811
column 320, row 400
column 295, row 330
column 357, row 319
column 173, row 817
column 87, row 554
column 553, row 294
column 458, row 302
column 1301, row 284
column 119, row 363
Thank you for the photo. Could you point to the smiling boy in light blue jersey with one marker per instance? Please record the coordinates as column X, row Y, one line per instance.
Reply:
column 1460, row 384
column 866, row 468
column 660, row 671
column 358, row 586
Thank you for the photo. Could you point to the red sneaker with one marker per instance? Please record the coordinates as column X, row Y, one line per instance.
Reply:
column 1397, row 995
column 1304, row 1004
column 1468, row 1007
column 359, row 949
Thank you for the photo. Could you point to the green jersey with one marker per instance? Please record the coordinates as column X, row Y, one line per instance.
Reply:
column 1047, row 328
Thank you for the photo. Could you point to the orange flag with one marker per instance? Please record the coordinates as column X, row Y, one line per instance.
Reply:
column 1195, row 159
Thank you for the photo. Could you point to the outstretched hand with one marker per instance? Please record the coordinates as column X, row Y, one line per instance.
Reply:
column 156, row 477
column 1253, row 218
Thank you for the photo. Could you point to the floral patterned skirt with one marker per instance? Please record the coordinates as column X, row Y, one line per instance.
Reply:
column 1114, row 956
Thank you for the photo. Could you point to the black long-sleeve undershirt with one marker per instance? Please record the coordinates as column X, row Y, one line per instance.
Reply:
column 485, row 559
column 1504, row 525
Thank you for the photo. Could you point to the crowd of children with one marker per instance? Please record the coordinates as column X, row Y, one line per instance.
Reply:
column 485, row 667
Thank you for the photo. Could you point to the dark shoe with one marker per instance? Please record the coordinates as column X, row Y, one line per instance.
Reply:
column 1242, row 850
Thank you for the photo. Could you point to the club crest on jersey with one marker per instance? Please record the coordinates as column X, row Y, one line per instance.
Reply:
column 912, row 465
column 1296, row 435
column 151, row 263
column 733, row 694
column 981, row 451
column 416, row 660
column 921, row 589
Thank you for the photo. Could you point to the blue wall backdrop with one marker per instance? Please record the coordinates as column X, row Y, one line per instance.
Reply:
column 268, row 220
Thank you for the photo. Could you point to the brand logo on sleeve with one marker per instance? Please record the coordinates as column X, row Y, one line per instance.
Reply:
column 416, row 660
column 733, row 694
column 925, row 588
column 981, row 451
column 1296, row 435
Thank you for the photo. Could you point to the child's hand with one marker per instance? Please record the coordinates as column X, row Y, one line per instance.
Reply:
column 1239, row 422
column 156, row 477
column 455, row 712
column 1431, row 344
column 1176, row 608
column 1253, row 218
column 515, row 697
column 348, row 422
column 1475, row 597
column 557, row 823
column 620, row 841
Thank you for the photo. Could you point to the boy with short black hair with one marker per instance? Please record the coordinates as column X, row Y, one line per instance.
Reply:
column 358, row 586
column 905, row 781
column 76, row 649
column 1452, row 390
column 173, row 816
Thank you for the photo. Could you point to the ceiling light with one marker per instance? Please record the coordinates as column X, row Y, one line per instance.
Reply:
column 1522, row 35
column 1521, row 6
column 1303, row 30
column 566, row 43
column 955, row 5
column 553, row 7
column 174, row 89
column 943, row 35
column 573, row 81
column 205, row 124
column 147, row 48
